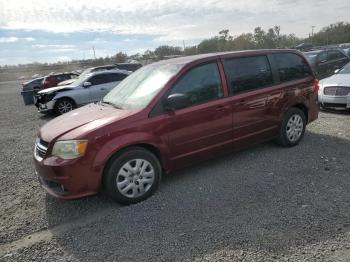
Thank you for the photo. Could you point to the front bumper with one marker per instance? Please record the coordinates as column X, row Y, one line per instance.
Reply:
column 66, row 179
column 334, row 101
column 42, row 105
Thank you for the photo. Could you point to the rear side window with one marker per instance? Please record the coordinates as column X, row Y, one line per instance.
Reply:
column 98, row 80
column 200, row 84
column 291, row 67
column 116, row 77
column 248, row 73
column 334, row 54
column 322, row 57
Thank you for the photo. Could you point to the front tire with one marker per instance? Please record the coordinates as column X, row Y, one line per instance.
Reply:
column 64, row 105
column 292, row 128
column 132, row 176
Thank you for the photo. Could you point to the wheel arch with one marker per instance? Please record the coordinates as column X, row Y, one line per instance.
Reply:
column 151, row 148
column 303, row 108
column 64, row 97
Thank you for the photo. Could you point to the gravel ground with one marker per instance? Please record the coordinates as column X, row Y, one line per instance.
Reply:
column 264, row 204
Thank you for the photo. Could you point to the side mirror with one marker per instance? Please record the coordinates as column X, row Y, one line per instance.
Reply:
column 87, row 84
column 175, row 101
column 336, row 71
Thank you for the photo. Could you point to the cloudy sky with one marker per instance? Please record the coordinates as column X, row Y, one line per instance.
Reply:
column 59, row 30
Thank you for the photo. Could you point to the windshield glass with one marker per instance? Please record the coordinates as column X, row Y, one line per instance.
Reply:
column 345, row 69
column 138, row 89
column 80, row 80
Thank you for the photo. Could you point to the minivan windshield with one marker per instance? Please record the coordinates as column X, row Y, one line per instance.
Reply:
column 139, row 88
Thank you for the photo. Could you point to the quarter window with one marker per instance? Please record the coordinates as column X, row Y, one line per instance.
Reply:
column 248, row 73
column 200, row 84
column 291, row 67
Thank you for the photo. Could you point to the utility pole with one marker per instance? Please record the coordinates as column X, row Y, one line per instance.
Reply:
column 93, row 48
column 312, row 33
column 183, row 42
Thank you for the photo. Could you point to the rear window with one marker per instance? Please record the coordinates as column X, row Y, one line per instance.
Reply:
column 291, row 67
column 248, row 73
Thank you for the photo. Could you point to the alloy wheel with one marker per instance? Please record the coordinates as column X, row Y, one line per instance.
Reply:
column 294, row 128
column 64, row 107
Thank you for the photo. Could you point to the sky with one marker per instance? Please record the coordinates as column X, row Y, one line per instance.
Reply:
column 61, row 30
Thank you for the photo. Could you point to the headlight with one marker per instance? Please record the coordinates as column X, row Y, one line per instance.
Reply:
column 69, row 149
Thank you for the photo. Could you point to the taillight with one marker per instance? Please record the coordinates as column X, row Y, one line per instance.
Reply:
column 317, row 87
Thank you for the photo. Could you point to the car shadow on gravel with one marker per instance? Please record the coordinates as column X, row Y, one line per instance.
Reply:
column 264, row 198
column 47, row 116
column 335, row 111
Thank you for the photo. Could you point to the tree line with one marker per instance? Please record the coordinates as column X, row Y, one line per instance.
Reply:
column 258, row 39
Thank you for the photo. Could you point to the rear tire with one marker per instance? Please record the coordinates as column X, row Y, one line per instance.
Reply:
column 64, row 105
column 292, row 128
column 132, row 175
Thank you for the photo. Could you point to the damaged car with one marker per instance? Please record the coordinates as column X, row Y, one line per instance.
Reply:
column 88, row 88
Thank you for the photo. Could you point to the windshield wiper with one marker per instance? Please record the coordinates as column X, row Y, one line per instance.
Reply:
column 112, row 104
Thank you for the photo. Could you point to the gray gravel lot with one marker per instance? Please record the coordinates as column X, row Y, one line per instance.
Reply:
column 264, row 204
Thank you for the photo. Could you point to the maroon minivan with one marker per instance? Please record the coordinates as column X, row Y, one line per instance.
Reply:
column 174, row 113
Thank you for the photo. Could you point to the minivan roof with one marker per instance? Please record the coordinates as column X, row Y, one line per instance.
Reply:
column 188, row 59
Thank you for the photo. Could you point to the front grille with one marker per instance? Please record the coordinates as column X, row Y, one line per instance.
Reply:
column 336, row 90
column 40, row 148
column 44, row 143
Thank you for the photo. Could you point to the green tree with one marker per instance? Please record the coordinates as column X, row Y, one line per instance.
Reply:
column 333, row 34
column 191, row 50
column 120, row 57
column 166, row 50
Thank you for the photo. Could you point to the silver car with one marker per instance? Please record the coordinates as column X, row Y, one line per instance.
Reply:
column 334, row 91
column 86, row 89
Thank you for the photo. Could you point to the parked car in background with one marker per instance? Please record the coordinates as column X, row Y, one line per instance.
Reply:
column 66, row 82
column 172, row 114
column 122, row 66
column 128, row 66
column 98, row 68
column 325, row 62
column 334, row 91
column 344, row 45
column 36, row 76
column 52, row 80
column 86, row 89
column 347, row 51
column 34, row 84
column 29, row 88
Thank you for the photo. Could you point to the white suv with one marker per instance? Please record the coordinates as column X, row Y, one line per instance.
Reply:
column 86, row 89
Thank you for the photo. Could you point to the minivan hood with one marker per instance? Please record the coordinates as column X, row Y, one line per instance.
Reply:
column 79, row 117
column 55, row 89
